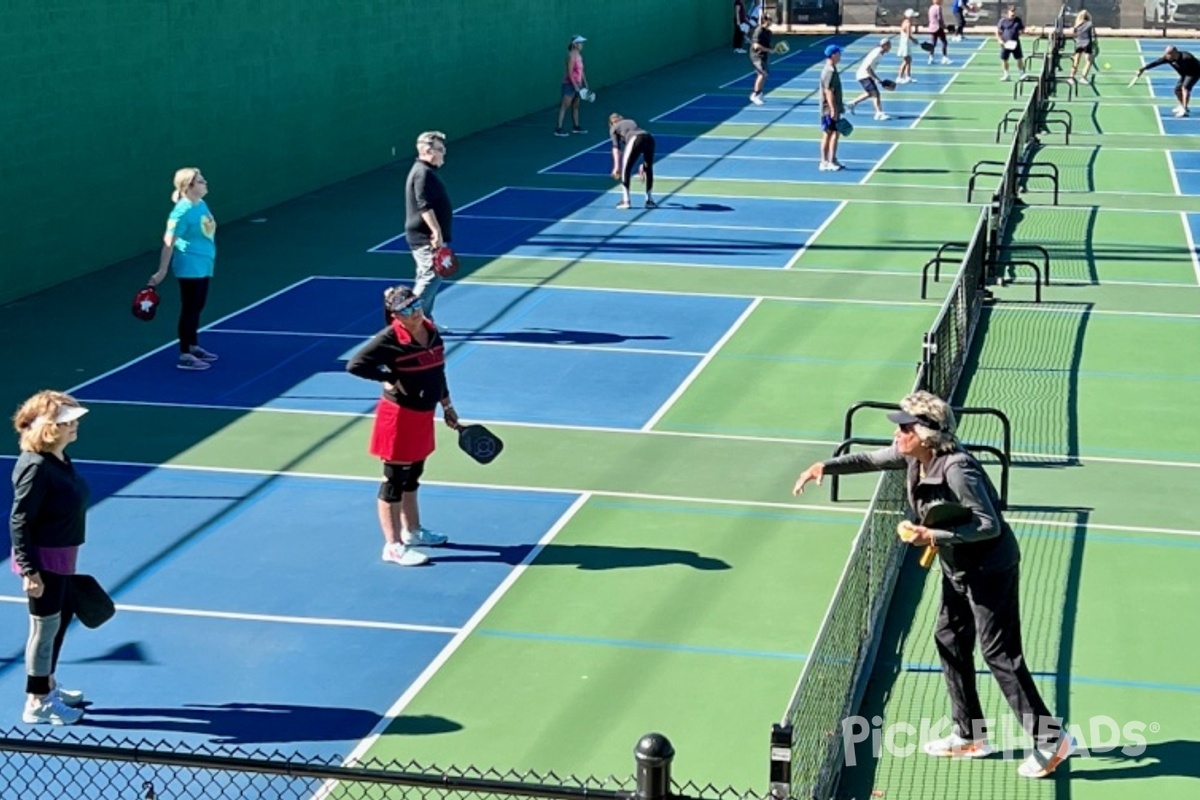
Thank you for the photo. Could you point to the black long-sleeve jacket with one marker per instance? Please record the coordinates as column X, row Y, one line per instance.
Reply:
column 413, row 376
column 986, row 543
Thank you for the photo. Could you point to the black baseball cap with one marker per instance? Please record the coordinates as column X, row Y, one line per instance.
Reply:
column 905, row 418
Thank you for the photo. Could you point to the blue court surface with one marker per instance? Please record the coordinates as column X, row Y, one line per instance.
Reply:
column 280, row 611
column 726, row 158
column 1178, row 126
column 1186, row 164
column 714, row 109
column 687, row 230
column 603, row 358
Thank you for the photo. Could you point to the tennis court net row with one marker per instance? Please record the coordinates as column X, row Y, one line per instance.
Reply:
column 808, row 745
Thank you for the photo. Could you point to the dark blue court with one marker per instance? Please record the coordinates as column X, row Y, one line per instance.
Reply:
column 727, row 158
column 688, row 230
column 601, row 358
column 208, row 562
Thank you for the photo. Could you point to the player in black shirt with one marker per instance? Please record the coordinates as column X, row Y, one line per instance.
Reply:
column 629, row 142
column 1188, row 68
column 428, row 214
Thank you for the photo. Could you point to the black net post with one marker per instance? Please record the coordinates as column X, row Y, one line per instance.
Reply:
column 781, row 761
column 653, row 755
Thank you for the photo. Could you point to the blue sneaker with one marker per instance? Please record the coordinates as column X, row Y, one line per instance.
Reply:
column 423, row 537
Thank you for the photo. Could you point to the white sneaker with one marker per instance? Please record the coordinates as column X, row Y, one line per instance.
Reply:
column 882, row 116
column 824, row 166
column 739, row 49
column 1022, row 76
column 50, row 711
column 395, row 553
column 836, row 166
column 931, row 59
column 756, row 99
column 189, row 362
column 955, row 746
column 945, row 59
column 71, row 698
column 910, row 79
column 423, row 537
column 1044, row 761
column 1005, row 77
column 1179, row 111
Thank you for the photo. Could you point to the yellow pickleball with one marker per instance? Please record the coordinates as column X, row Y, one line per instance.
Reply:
column 1107, row 65
column 906, row 531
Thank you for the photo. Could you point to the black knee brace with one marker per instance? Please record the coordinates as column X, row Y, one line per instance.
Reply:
column 400, row 478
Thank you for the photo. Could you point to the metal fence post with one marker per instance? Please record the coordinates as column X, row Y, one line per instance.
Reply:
column 781, row 761
column 653, row 754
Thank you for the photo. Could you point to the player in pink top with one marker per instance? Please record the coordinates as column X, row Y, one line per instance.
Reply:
column 574, row 83
column 937, row 30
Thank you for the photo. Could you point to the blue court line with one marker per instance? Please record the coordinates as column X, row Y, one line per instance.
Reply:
column 640, row 645
column 1117, row 683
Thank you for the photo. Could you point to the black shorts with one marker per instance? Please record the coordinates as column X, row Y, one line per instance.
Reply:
column 1089, row 49
column 759, row 62
column 1006, row 54
column 1186, row 82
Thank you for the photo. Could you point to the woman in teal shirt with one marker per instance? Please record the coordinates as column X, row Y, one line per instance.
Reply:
column 190, row 249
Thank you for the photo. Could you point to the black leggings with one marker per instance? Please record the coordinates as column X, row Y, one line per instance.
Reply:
column 193, row 294
column 55, row 599
column 643, row 146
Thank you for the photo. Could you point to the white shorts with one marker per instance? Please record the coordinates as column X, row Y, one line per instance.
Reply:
column 903, row 50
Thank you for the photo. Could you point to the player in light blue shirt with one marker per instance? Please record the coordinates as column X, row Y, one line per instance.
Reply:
column 190, row 250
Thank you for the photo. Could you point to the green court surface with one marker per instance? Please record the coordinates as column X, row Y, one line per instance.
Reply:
column 685, row 588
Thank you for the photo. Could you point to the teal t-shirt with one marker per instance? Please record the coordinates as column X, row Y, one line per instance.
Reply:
column 195, row 233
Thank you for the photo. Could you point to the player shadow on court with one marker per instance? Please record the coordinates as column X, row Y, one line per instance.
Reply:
column 261, row 723
column 1178, row 758
column 554, row 336
column 590, row 557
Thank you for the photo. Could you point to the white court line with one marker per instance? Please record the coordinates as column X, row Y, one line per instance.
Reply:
column 1191, row 242
column 442, row 657
column 275, row 618
column 1101, row 527
column 482, row 342
column 639, row 222
column 921, row 116
column 670, row 293
column 684, row 104
column 1171, row 169
column 704, row 362
column 173, row 343
column 476, row 201
column 879, row 163
column 640, row 496
column 820, row 229
column 585, row 151
column 950, row 82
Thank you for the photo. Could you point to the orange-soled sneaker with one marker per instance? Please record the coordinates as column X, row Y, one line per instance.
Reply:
column 1045, row 759
column 955, row 746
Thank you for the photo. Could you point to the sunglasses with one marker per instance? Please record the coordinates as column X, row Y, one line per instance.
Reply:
column 410, row 309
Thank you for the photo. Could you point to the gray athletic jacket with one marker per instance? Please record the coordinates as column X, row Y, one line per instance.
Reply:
column 986, row 544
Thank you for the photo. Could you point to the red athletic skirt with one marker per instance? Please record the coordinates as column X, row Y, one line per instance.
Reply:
column 401, row 434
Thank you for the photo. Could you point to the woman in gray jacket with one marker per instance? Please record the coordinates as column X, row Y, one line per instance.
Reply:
column 980, row 570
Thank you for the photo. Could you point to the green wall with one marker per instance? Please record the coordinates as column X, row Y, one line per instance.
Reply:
column 102, row 100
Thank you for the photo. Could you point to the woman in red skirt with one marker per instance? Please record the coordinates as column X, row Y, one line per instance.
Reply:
column 409, row 358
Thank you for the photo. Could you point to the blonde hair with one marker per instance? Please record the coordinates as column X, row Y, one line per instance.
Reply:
column 184, row 178
column 937, row 410
column 1082, row 16
column 428, row 139
column 34, row 422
